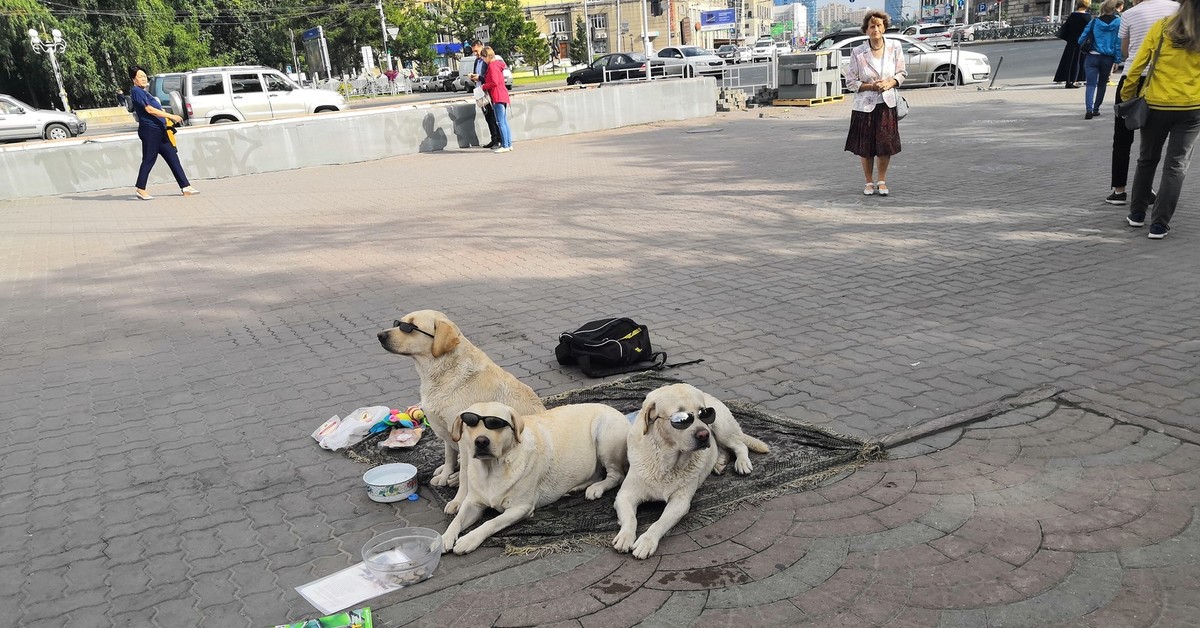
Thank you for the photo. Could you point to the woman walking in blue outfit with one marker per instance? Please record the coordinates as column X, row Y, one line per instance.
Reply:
column 1105, row 53
column 152, row 130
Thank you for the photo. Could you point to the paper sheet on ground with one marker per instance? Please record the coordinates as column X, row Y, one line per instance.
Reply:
column 344, row 589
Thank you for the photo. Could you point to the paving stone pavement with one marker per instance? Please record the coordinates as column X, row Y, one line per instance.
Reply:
column 163, row 364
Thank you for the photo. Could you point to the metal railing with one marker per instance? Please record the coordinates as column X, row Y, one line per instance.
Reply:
column 368, row 87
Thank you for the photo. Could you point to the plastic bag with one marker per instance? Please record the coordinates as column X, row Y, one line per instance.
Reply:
column 337, row 433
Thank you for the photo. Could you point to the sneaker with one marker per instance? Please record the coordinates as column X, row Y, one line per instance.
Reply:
column 502, row 149
column 1158, row 231
column 1095, row 113
column 1117, row 198
column 1136, row 219
column 1089, row 115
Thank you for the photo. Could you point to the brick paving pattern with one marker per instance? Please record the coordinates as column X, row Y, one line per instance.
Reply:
column 163, row 363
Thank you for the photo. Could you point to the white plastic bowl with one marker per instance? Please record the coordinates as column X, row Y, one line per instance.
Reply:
column 403, row 556
column 391, row 482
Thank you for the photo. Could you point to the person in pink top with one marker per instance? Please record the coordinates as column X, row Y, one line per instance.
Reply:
column 493, row 84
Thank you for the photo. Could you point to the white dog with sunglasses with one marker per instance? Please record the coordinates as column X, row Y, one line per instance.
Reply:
column 454, row 374
column 671, row 451
column 519, row 462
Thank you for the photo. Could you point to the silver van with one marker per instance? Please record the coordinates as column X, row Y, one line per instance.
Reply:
column 239, row 93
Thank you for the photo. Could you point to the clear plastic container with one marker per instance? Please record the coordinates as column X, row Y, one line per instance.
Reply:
column 403, row 556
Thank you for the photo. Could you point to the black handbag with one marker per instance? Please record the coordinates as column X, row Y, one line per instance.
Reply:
column 1089, row 42
column 1135, row 111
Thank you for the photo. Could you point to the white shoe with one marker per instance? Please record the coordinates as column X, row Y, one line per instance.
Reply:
column 502, row 149
column 869, row 189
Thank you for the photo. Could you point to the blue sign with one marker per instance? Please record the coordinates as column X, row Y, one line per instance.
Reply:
column 982, row 8
column 717, row 20
column 445, row 49
column 312, row 33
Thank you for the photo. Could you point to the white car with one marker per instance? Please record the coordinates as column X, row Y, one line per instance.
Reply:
column 782, row 47
column 246, row 92
column 763, row 50
column 690, row 61
column 938, row 35
column 927, row 66
column 19, row 121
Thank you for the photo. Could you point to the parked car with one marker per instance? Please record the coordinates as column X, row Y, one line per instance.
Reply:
column 19, row 121
column 449, row 81
column 466, row 65
column 618, row 66
column 443, row 72
column 937, row 35
column 426, row 84
column 690, row 61
column 237, row 93
column 829, row 39
column 745, row 54
column 928, row 66
column 782, row 47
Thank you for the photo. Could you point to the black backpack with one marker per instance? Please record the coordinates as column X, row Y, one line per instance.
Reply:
column 609, row 346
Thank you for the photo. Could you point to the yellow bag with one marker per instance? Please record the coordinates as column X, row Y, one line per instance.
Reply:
column 171, row 133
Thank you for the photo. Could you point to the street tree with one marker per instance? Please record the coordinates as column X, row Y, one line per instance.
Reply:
column 577, row 48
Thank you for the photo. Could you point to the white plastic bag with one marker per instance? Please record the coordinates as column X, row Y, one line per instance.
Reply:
column 337, row 433
column 481, row 97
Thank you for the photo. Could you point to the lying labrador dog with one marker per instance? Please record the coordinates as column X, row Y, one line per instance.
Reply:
column 454, row 374
column 671, row 452
column 521, row 462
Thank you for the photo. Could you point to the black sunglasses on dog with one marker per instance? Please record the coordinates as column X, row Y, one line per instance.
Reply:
column 470, row 419
column 409, row 328
column 681, row 420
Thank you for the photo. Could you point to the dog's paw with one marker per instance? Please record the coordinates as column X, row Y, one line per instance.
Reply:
column 623, row 542
column 718, row 468
column 645, row 547
column 438, row 480
column 453, row 479
column 469, row 543
column 743, row 467
column 594, row 491
column 448, row 543
column 452, row 507
column 438, row 471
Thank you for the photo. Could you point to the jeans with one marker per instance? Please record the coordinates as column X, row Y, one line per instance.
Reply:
column 1178, row 130
column 502, row 122
column 155, row 143
column 1097, row 68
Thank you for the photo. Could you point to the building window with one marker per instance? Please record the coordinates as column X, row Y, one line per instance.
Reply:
column 558, row 24
column 599, row 21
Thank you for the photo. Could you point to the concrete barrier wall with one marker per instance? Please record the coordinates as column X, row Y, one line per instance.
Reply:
column 227, row 150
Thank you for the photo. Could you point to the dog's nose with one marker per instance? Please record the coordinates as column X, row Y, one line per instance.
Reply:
column 482, row 442
column 702, row 435
column 382, row 336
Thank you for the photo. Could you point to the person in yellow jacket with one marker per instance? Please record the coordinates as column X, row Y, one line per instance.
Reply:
column 1172, row 93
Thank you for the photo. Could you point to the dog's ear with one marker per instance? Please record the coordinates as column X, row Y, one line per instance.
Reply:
column 518, row 425
column 645, row 414
column 456, row 428
column 445, row 337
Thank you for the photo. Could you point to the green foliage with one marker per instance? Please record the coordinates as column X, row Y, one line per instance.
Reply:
column 577, row 49
column 105, row 37
column 533, row 46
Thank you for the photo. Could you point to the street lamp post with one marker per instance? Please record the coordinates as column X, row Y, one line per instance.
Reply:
column 56, row 45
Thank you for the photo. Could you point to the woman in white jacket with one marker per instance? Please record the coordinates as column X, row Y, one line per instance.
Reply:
column 876, row 69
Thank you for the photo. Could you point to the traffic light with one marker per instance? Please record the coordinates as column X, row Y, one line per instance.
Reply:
column 656, row 7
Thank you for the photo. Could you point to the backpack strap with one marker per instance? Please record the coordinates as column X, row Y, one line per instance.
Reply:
column 658, row 363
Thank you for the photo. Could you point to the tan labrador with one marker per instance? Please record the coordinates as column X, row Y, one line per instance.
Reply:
column 671, row 452
column 454, row 374
column 521, row 462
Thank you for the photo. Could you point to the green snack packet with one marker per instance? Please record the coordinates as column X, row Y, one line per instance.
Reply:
column 360, row 618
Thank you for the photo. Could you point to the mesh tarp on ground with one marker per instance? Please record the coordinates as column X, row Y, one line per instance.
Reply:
column 801, row 455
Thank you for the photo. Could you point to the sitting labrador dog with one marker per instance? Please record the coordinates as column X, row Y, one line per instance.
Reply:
column 671, row 452
column 454, row 374
column 519, row 462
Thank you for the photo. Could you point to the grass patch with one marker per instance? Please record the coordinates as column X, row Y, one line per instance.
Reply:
column 530, row 79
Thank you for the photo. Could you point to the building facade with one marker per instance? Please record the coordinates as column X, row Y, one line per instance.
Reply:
column 616, row 25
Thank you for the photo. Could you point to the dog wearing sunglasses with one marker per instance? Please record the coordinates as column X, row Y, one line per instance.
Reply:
column 454, row 374
column 520, row 462
column 679, row 436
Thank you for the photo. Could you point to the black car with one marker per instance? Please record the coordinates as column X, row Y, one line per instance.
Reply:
column 618, row 66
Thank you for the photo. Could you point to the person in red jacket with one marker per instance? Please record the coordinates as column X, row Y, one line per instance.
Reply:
column 493, row 84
